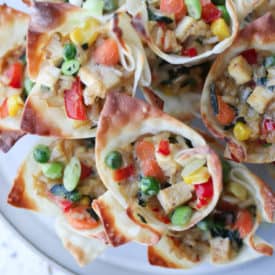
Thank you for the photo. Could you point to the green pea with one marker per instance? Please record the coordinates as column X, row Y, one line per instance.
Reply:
column 269, row 61
column 69, row 51
column 181, row 215
column 41, row 153
column 52, row 170
column 28, row 84
column 226, row 167
column 225, row 13
column 149, row 186
column 110, row 5
column 70, row 67
column 72, row 174
column 194, row 8
column 114, row 160
column 74, row 196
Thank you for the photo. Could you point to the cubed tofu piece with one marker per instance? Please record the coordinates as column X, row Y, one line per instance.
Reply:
column 110, row 76
column 175, row 195
column 260, row 98
column 183, row 29
column 220, row 249
column 240, row 70
column 48, row 75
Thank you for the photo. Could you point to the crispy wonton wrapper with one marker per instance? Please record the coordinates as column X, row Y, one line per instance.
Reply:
column 255, row 36
column 13, row 30
column 124, row 120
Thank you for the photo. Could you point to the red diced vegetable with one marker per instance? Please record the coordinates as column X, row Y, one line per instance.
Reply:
column 210, row 13
column 176, row 7
column 250, row 55
column 164, row 147
column 268, row 125
column 123, row 173
column 4, row 111
column 204, row 193
column 74, row 104
column 191, row 52
column 85, row 171
column 15, row 75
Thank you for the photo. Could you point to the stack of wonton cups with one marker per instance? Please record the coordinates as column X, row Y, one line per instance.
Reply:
column 111, row 168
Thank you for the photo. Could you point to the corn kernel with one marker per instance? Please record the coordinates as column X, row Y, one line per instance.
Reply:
column 237, row 190
column 80, row 123
column 15, row 104
column 85, row 201
column 167, row 90
column 85, row 34
column 241, row 131
column 220, row 29
column 201, row 175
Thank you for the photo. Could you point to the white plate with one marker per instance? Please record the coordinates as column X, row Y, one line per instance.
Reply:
column 38, row 231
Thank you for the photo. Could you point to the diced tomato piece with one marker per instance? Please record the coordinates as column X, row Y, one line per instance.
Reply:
column 107, row 53
column 268, row 125
column 145, row 152
column 15, row 75
column 204, row 193
column 80, row 219
column 175, row 7
column 164, row 147
column 191, row 52
column 74, row 104
column 251, row 56
column 226, row 113
column 4, row 111
column 124, row 173
column 85, row 171
column 210, row 13
column 244, row 223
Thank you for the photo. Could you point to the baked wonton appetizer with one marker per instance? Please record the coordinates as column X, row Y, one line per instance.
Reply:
column 158, row 168
column 238, row 100
column 14, row 84
column 75, row 60
column 228, row 234
column 175, row 89
column 184, row 32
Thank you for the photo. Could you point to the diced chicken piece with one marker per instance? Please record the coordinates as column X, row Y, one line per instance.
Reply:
column 48, row 75
column 158, row 35
column 110, row 76
column 95, row 87
column 54, row 50
column 260, row 98
column 175, row 195
column 170, row 42
column 189, row 26
column 240, row 70
column 220, row 249
column 167, row 164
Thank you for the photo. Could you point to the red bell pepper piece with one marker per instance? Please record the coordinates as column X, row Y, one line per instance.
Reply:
column 204, row 193
column 85, row 171
column 74, row 104
column 4, row 111
column 210, row 13
column 123, row 173
column 164, row 147
column 15, row 75
column 268, row 125
column 244, row 223
column 250, row 55
column 191, row 52
column 62, row 203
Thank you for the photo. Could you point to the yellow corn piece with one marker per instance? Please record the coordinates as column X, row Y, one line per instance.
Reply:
column 85, row 201
column 85, row 34
column 241, row 131
column 80, row 123
column 15, row 104
column 237, row 190
column 220, row 29
column 167, row 90
column 201, row 175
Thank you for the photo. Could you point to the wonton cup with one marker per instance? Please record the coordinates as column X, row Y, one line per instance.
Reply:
column 259, row 35
column 192, row 247
column 123, row 121
column 11, row 22
column 140, row 21
column 49, row 110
